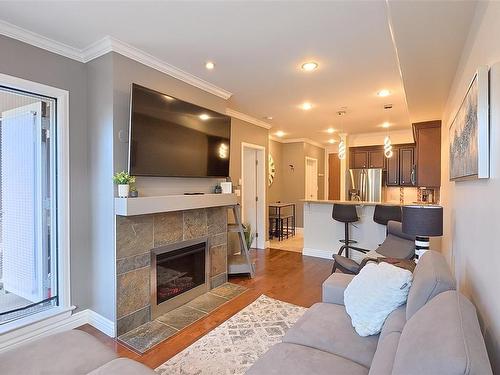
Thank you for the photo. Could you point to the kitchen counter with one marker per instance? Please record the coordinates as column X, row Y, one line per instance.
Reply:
column 322, row 233
column 357, row 203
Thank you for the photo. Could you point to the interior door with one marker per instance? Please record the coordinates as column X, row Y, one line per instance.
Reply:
column 249, row 189
column 311, row 173
column 333, row 177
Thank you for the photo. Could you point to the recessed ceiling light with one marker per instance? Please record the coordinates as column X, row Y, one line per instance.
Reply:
column 209, row 65
column 168, row 98
column 331, row 141
column 204, row 117
column 309, row 66
column 306, row 106
column 279, row 133
column 330, row 130
column 384, row 93
column 268, row 118
column 385, row 124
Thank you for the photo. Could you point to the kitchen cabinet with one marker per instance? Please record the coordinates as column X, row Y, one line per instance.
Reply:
column 376, row 159
column 428, row 153
column 401, row 166
column 392, row 177
column 366, row 157
column 407, row 166
column 359, row 159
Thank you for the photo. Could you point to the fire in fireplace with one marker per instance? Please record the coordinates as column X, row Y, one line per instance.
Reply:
column 178, row 274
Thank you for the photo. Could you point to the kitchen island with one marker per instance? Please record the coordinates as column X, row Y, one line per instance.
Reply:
column 322, row 233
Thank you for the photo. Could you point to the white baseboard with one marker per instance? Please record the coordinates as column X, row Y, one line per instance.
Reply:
column 101, row 323
column 64, row 321
column 326, row 254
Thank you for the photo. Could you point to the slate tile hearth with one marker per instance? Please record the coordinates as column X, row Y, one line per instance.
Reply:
column 165, row 326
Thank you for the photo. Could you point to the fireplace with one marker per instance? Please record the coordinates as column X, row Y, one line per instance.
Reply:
column 179, row 273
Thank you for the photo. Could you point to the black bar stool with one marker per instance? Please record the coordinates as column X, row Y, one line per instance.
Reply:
column 385, row 213
column 345, row 213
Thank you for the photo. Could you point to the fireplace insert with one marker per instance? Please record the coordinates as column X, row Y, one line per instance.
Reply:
column 178, row 274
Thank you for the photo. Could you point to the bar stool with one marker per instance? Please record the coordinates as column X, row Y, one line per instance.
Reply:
column 385, row 213
column 345, row 213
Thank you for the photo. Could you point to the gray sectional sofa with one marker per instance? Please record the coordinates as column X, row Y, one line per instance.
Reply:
column 436, row 332
column 70, row 352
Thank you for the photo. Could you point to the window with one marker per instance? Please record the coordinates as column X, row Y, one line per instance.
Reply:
column 33, row 188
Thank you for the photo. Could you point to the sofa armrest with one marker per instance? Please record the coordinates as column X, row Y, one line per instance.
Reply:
column 334, row 286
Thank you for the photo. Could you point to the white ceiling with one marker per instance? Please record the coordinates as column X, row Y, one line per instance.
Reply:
column 258, row 48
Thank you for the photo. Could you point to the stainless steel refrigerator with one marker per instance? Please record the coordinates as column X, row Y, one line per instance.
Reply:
column 364, row 185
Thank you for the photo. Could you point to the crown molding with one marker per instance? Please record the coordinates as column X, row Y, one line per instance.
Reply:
column 110, row 44
column 106, row 45
column 297, row 140
column 247, row 118
column 37, row 40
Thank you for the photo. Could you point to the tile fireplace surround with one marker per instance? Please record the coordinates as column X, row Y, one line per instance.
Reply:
column 136, row 236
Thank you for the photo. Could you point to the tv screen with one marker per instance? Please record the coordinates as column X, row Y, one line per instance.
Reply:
column 173, row 138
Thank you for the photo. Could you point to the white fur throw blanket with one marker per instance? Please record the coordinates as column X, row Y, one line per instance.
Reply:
column 373, row 294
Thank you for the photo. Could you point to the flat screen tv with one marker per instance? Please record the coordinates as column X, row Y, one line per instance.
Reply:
column 173, row 138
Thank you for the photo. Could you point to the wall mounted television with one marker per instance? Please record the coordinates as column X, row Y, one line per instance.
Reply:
column 172, row 138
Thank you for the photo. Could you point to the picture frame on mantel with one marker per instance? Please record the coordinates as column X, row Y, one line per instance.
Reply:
column 469, row 132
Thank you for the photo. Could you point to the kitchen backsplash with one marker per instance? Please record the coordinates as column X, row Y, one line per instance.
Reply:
column 406, row 195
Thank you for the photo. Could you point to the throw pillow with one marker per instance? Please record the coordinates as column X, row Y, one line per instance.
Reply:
column 373, row 294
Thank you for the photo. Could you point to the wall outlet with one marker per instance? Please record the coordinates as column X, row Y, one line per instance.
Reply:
column 237, row 192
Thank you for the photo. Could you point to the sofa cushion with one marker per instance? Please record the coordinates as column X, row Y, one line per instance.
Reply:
column 395, row 322
column 334, row 286
column 327, row 327
column 122, row 366
column 384, row 356
column 444, row 338
column 431, row 277
column 70, row 352
column 291, row 359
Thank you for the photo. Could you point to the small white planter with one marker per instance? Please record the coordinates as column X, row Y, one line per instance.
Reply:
column 123, row 191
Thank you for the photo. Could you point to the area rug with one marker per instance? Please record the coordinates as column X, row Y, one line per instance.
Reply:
column 236, row 344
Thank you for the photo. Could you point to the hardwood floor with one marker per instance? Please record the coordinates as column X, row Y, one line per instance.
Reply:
column 283, row 275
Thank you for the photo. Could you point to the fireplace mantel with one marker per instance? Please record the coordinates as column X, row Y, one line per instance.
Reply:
column 169, row 203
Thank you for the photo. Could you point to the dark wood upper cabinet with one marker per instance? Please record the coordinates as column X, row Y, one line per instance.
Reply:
column 407, row 166
column 359, row 159
column 376, row 159
column 392, row 178
column 428, row 153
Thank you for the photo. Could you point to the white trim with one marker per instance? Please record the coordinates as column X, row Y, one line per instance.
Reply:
column 101, row 323
column 247, row 118
column 297, row 140
column 261, row 207
column 106, row 45
column 63, row 181
column 62, row 321
column 325, row 254
column 37, row 40
column 110, row 44
column 267, row 244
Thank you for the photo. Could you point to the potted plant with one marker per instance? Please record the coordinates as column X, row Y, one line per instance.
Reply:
column 249, row 235
column 133, row 192
column 123, row 180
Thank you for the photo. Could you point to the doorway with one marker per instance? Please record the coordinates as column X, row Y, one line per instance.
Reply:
column 311, row 178
column 253, row 191
column 333, row 177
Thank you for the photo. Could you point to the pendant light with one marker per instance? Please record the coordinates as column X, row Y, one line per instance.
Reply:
column 388, row 147
column 387, row 140
column 342, row 146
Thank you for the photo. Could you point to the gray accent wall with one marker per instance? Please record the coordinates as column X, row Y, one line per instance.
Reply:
column 31, row 63
column 471, row 208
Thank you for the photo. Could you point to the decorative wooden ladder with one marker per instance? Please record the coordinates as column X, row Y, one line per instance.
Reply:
column 240, row 262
